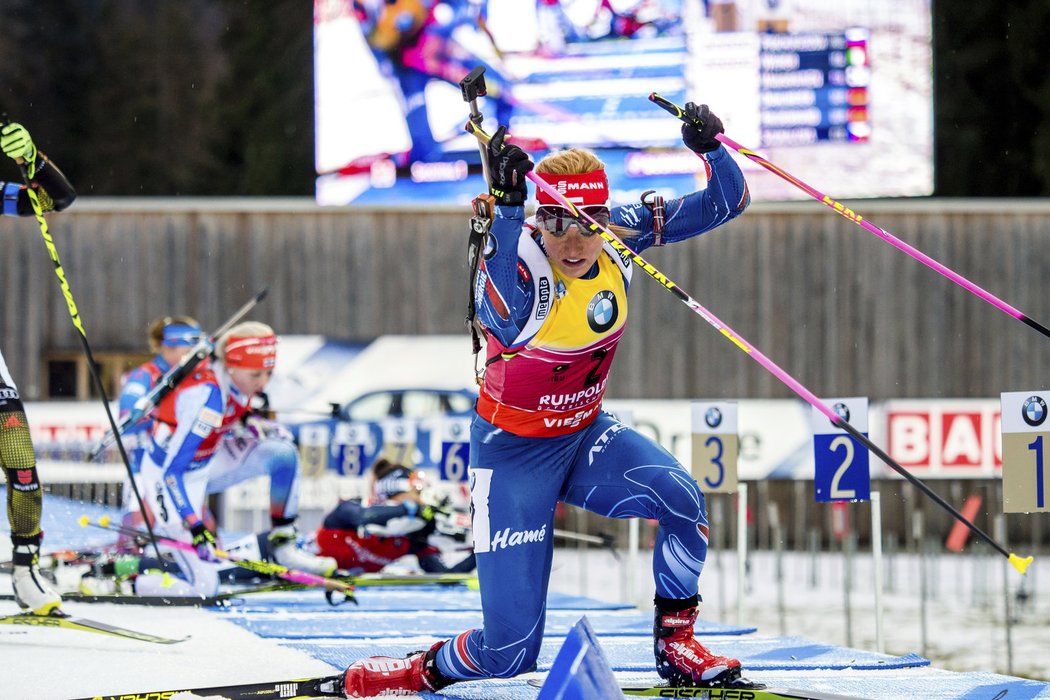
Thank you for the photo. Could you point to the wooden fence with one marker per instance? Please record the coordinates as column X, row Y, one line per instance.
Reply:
column 839, row 309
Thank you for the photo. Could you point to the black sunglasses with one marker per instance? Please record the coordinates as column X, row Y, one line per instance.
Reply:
column 557, row 220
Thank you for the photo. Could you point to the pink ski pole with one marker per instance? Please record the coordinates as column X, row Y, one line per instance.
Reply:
column 1019, row 563
column 261, row 567
column 862, row 222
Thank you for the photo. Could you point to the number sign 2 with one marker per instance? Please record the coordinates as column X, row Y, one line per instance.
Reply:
column 840, row 461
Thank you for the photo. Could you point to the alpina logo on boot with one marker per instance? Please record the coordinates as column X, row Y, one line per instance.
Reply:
column 675, row 621
column 386, row 665
column 685, row 652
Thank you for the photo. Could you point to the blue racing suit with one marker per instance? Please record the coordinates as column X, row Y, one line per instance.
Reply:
column 137, row 383
column 539, row 436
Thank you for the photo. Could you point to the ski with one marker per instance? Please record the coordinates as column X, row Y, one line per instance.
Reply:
column 217, row 601
column 320, row 687
column 381, row 579
column 758, row 691
column 659, row 691
column 223, row 599
column 59, row 619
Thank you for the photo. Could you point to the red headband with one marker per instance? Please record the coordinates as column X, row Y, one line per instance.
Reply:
column 254, row 352
column 584, row 190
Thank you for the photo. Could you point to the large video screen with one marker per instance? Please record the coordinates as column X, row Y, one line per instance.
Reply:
column 837, row 93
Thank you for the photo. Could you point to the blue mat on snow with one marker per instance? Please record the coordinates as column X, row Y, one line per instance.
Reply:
column 632, row 654
column 290, row 624
column 59, row 519
column 404, row 599
column 889, row 685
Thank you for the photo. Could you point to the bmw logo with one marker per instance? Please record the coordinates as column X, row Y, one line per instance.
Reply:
column 602, row 311
column 842, row 411
column 713, row 417
column 1034, row 411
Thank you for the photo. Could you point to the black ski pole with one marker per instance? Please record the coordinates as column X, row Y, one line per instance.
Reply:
column 74, row 315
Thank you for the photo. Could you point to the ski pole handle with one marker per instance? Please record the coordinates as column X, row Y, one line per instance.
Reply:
column 679, row 113
column 473, row 87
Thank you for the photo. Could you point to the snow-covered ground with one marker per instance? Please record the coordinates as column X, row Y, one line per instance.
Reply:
column 965, row 624
column 964, row 612
column 56, row 664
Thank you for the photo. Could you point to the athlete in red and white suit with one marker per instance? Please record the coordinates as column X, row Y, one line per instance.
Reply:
column 206, row 440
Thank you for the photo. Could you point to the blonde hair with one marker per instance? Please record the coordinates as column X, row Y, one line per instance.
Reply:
column 247, row 329
column 573, row 161
column 155, row 330
column 576, row 161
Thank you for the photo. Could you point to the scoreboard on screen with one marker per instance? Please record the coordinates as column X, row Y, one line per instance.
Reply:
column 814, row 87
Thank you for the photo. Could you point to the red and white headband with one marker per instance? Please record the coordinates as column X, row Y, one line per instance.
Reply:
column 583, row 190
column 253, row 352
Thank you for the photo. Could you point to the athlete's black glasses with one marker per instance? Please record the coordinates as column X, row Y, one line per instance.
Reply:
column 557, row 220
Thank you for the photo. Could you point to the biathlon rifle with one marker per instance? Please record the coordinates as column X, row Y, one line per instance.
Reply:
column 167, row 384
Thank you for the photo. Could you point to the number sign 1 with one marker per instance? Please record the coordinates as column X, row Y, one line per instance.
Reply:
column 1026, row 449
column 715, row 445
column 841, row 471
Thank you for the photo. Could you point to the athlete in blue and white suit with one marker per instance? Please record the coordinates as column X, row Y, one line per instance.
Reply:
column 169, row 338
column 206, row 439
column 553, row 305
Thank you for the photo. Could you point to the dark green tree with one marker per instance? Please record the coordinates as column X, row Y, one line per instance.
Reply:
column 215, row 97
column 992, row 98
column 267, row 103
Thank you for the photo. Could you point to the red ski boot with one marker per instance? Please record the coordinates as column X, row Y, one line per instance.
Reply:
column 386, row 675
column 682, row 660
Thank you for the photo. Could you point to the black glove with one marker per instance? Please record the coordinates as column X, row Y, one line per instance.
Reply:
column 204, row 542
column 701, row 139
column 508, row 165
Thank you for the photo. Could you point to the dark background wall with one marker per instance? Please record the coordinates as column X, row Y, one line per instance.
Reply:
column 835, row 306
column 206, row 97
column 214, row 97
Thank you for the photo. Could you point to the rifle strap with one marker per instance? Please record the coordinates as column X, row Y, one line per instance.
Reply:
column 656, row 207
column 484, row 206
